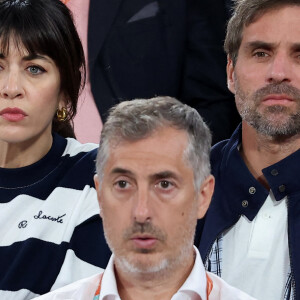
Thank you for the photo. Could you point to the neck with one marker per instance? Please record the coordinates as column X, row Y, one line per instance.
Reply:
column 160, row 286
column 21, row 154
column 259, row 151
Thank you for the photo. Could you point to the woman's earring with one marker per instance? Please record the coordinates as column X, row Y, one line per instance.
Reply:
column 61, row 114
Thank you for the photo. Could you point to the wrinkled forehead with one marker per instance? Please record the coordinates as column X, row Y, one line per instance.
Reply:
column 164, row 145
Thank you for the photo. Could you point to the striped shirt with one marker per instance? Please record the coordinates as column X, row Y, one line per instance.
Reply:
column 50, row 229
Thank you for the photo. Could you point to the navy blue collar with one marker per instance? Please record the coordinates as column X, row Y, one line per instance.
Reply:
column 25, row 176
column 234, row 179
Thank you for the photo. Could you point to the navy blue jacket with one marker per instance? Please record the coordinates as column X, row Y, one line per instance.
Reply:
column 238, row 193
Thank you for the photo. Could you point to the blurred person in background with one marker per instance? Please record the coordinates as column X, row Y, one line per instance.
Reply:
column 145, row 48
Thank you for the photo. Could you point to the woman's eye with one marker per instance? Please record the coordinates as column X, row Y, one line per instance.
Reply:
column 35, row 70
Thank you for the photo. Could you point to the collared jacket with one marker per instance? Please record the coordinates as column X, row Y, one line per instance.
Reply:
column 238, row 193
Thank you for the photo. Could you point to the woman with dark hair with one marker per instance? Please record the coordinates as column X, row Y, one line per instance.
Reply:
column 49, row 215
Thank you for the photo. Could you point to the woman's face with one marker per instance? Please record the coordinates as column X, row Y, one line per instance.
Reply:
column 29, row 95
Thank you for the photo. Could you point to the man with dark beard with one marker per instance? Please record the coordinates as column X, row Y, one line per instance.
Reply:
column 153, row 183
column 250, row 236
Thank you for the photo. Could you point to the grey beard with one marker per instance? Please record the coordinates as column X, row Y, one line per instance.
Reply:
column 262, row 122
column 263, row 125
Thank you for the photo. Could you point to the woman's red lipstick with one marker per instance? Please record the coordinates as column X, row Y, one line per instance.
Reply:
column 13, row 114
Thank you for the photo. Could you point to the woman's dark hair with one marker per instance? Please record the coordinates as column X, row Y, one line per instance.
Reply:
column 46, row 27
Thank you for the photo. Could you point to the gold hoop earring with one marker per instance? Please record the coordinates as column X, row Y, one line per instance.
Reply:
column 62, row 114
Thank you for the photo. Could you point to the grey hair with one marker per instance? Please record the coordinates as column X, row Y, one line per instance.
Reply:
column 246, row 12
column 138, row 119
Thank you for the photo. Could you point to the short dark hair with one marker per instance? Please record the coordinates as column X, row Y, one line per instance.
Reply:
column 246, row 12
column 47, row 27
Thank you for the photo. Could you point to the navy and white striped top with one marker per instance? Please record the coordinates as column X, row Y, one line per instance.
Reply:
column 50, row 230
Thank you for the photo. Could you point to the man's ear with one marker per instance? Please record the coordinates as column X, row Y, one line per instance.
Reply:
column 204, row 195
column 97, row 186
column 230, row 75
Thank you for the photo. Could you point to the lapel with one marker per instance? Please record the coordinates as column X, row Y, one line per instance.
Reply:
column 101, row 16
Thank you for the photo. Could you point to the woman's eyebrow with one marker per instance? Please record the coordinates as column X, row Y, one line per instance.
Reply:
column 35, row 56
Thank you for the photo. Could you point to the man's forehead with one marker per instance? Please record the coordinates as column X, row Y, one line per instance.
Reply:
column 162, row 151
column 265, row 32
column 164, row 137
column 270, row 13
column 122, row 161
column 159, row 173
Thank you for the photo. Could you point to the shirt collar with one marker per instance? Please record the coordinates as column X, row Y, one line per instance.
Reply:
column 195, row 284
column 282, row 176
column 109, row 284
column 247, row 194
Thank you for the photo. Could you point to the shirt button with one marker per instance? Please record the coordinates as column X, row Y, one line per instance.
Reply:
column 252, row 190
column 274, row 172
column 245, row 203
column 281, row 188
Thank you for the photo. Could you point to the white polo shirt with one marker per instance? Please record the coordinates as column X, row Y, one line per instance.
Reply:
column 255, row 254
